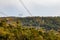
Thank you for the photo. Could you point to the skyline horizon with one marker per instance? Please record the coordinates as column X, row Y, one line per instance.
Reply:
column 36, row 8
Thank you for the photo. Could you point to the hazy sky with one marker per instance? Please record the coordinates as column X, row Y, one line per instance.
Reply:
column 36, row 7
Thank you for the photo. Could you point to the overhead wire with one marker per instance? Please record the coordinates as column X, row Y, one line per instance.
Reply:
column 3, row 13
column 25, row 7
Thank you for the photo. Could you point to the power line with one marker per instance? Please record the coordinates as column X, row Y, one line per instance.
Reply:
column 3, row 13
column 25, row 7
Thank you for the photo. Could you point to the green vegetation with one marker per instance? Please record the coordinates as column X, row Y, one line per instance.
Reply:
column 25, row 28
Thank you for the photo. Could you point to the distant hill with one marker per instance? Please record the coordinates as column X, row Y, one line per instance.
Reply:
column 44, row 22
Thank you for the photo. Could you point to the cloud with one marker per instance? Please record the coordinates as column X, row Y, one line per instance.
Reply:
column 10, row 7
column 46, row 1
column 36, row 7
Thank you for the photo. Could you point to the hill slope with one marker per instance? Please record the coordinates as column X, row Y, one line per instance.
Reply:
column 45, row 22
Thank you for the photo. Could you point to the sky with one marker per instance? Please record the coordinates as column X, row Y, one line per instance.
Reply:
column 36, row 7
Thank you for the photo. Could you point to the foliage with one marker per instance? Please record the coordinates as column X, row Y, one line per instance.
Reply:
column 14, row 30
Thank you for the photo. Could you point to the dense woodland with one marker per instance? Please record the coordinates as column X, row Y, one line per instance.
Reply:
column 29, row 28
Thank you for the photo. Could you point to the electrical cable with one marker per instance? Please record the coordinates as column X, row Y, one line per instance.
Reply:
column 25, row 7
column 3, row 13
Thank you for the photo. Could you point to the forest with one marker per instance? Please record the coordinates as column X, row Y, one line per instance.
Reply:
column 29, row 28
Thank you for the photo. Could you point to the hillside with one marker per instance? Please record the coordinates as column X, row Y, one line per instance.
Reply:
column 44, row 22
column 29, row 28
